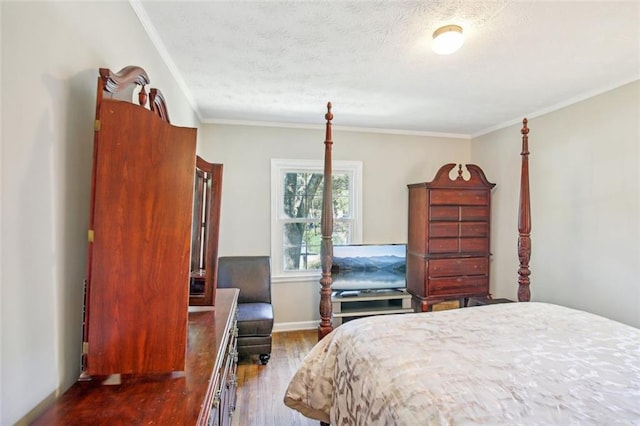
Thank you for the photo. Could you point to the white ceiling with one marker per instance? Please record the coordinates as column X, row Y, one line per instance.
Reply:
column 256, row 62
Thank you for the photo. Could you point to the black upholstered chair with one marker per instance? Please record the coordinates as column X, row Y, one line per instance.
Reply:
column 252, row 275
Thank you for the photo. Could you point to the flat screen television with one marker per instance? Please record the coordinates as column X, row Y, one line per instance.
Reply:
column 369, row 267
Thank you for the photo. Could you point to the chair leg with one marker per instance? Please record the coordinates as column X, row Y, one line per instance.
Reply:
column 264, row 358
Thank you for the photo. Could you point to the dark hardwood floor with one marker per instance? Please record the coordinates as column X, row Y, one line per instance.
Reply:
column 261, row 388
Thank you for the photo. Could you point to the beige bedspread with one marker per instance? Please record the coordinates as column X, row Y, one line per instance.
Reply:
column 509, row 364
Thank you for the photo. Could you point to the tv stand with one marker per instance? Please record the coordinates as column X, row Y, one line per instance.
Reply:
column 348, row 305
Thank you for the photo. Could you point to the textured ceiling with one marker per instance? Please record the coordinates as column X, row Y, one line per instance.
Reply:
column 281, row 61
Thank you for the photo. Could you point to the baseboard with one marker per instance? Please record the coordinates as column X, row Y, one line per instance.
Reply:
column 35, row 412
column 295, row 326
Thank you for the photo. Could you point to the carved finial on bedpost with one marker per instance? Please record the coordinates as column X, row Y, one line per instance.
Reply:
column 329, row 115
column 524, row 220
column 326, row 247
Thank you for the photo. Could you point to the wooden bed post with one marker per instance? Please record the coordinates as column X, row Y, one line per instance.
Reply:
column 524, row 220
column 326, row 248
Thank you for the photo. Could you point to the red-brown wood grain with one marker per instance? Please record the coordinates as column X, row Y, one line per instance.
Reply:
column 326, row 223
column 449, row 231
column 524, row 220
column 143, row 202
column 204, row 264
column 157, row 399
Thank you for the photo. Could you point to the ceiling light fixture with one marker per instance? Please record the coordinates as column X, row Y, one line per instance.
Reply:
column 447, row 39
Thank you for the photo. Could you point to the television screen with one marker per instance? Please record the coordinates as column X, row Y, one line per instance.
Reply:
column 361, row 267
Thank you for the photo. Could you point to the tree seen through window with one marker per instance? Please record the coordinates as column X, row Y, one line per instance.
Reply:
column 303, row 209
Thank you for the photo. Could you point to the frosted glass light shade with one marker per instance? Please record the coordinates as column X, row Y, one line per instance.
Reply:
column 447, row 39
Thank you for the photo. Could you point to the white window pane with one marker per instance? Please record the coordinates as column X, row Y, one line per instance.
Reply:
column 341, row 232
column 302, row 194
column 301, row 246
column 297, row 198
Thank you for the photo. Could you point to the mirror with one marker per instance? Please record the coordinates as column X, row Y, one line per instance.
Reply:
column 204, row 234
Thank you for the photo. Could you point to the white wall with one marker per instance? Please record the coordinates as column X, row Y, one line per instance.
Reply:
column 584, row 172
column 51, row 52
column 390, row 162
column 585, row 196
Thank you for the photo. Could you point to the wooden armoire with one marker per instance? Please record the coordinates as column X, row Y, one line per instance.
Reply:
column 448, row 243
column 138, row 268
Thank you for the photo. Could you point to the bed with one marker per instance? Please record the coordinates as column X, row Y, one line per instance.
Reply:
column 511, row 363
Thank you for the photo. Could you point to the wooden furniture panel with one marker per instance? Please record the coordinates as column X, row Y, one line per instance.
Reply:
column 205, row 233
column 474, row 229
column 458, row 245
column 443, row 245
column 140, row 233
column 468, row 213
column 222, row 392
column 452, row 287
column 474, row 245
column 141, row 240
column 459, row 197
column 417, row 241
column 458, row 266
column 204, row 393
column 442, row 212
column 448, row 244
column 444, row 229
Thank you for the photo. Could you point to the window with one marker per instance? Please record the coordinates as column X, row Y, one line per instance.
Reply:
column 296, row 208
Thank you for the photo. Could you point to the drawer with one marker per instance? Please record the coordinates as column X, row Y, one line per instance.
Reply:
column 474, row 213
column 443, row 245
column 455, row 245
column 460, row 196
column 474, row 229
column 444, row 213
column 458, row 267
column 454, row 286
column 474, row 245
column 455, row 229
column 444, row 229
column 458, row 229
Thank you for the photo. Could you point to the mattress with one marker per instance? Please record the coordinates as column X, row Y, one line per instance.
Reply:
column 512, row 364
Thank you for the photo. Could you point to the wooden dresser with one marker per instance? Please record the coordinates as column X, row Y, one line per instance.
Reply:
column 448, row 242
column 203, row 394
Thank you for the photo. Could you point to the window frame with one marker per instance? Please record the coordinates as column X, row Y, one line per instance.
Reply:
column 279, row 167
